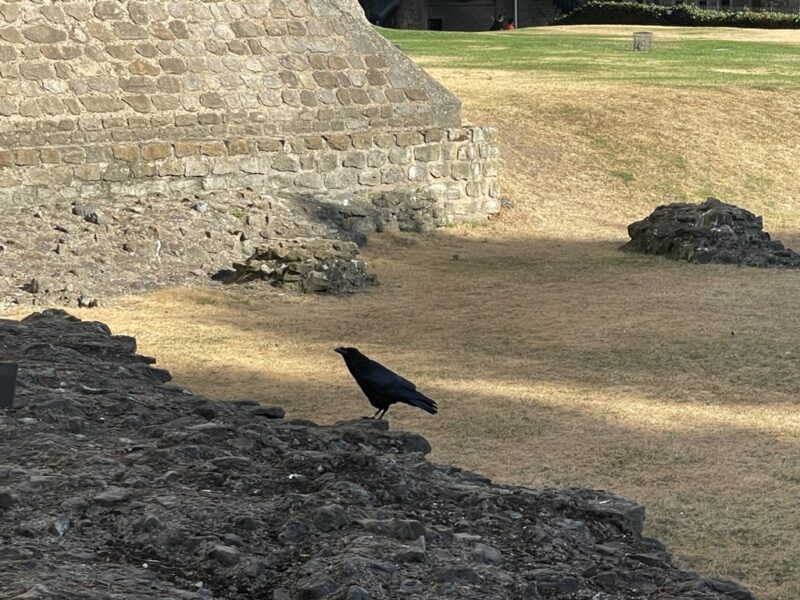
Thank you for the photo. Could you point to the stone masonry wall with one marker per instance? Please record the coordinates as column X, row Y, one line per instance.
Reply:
column 458, row 165
column 123, row 97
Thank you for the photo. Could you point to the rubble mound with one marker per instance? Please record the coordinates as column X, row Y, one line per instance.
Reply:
column 310, row 265
column 113, row 484
column 711, row 232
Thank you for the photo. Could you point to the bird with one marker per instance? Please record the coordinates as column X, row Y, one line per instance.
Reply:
column 382, row 386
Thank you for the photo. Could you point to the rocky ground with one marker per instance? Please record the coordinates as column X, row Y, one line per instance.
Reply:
column 75, row 253
column 710, row 232
column 115, row 485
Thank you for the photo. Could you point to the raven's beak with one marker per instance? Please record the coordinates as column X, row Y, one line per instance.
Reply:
column 340, row 350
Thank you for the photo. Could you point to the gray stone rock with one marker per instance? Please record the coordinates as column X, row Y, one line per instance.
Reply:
column 329, row 518
column 111, row 496
column 357, row 593
column 227, row 556
column 710, row 232
column 316, row 586
column 456, row 575
column 271, row 412
column 487, row 554
column 8, row 499
column 293, row 532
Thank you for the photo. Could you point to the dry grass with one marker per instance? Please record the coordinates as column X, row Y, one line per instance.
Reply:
column 557, row 359
column 734, row 34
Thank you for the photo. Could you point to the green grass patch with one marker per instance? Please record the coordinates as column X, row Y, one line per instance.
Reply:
column 608, row 58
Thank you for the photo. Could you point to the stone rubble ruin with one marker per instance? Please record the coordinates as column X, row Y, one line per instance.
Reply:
column 710, row 232
column 113, row 484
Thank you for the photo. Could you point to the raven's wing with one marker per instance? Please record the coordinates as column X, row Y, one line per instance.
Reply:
column 379, row 376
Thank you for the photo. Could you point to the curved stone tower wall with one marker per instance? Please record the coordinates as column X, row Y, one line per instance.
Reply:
column 194, row 97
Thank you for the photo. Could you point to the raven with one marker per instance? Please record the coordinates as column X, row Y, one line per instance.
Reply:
column 382, row 386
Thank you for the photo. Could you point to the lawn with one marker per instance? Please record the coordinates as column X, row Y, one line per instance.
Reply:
column 556, row 359
column 681, row 57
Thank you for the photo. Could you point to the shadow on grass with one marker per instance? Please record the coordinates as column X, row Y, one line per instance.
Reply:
column 571, row 313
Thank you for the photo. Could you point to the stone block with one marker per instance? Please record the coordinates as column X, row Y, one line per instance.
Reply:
column 209, row 118
column 269, row 145
column 183, row 149
column 416, row 95
column 369, row 178
column 99, row 104
column 400, row 156
column 88, row 172
column 185, row 120
column 196, row 166
column 246, row 29
column 61, row 52
column 338, row 180
column 357, row 160
column 393, row 174
column 29, row 108
column 143, row 67
column 311, row 180
column 108, row 9
column 240, row 146
column 44, row 34
column 12, row 35
column 73, row 155
column 409, row 138
column 126, row 152
column 256, row 164
column 384, row 140
column 285, row 162
column 338, row 141
column 138, row 102
column 37, row 71
column 327, row 161
column 6, row 158
column 171, row 167
column 362, row 140
column 173, row 65
column 377, row 158
column 460, row 171
column 26, row 157
column 130, row 31
column 116, row 172
column 156, row 151
column 428, row 153
column 417, row 173
column 212, row 100
column 212, row 148
column 439, row 170
column 144, row 169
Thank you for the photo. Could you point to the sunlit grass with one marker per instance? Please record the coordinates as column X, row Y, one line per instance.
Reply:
column 688, row 61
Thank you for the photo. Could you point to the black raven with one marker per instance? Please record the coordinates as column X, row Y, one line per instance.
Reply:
column 382, row 386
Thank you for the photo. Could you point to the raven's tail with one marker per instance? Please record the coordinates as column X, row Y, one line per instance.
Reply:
column 414, row 398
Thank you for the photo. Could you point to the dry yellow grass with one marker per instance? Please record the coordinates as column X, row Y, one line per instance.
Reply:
column 557, row 359
column 734, row 34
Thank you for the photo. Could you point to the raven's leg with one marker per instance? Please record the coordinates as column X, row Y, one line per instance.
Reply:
column 384, row 412
column 376, row 414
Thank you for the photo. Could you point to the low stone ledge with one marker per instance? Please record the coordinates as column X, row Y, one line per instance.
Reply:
column 310, row 266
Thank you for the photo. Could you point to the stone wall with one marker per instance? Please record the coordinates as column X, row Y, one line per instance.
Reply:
column 118, row 97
